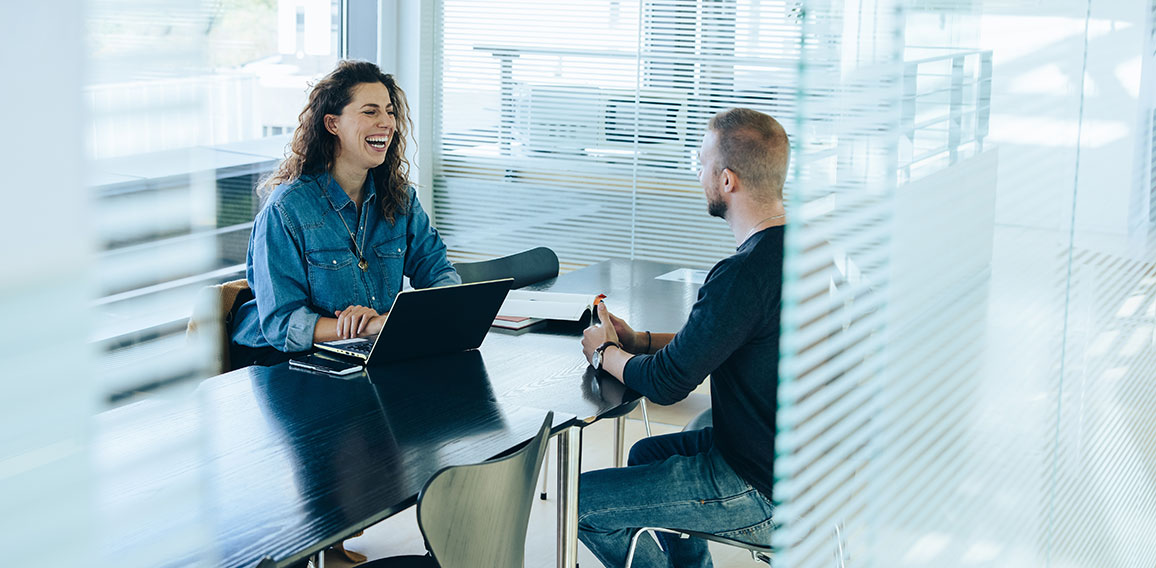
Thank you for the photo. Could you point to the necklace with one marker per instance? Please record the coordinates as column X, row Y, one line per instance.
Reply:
column 361, row 262
column 771, row 218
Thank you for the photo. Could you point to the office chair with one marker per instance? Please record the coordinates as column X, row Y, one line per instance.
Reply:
column 213, row 313
column 527, row 267
column 478, row 514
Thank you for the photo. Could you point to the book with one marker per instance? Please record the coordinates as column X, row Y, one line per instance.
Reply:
column 512, row 322
column 523, row 308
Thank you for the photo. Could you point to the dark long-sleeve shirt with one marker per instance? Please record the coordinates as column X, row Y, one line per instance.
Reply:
column 733, row 336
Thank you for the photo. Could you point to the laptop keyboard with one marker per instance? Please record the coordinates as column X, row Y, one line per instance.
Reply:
column 362, row 348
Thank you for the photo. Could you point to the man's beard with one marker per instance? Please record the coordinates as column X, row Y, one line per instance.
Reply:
column 715, row 206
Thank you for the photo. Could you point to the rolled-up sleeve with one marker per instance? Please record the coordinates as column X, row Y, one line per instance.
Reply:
column 281, row 283
column 426, row 264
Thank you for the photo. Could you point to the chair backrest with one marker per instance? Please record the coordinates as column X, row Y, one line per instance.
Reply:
column 526, row 267
column 477, row 515
column 212, row 316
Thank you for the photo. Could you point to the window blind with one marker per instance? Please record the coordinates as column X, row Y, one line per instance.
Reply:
column 968, row 307
column 576, row 125
column 147, row 113
column 188, row 103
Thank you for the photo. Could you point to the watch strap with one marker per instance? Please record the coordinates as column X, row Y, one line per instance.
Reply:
column 600, row 352
column 603, row 347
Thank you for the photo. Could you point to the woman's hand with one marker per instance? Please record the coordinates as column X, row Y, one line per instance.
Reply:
column 375, row 324
column 357, row 321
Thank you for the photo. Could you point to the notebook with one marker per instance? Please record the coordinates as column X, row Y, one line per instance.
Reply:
column 524, row 308
column 430, row 321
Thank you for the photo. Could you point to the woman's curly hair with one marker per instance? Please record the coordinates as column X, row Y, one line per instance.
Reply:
column 314, row 148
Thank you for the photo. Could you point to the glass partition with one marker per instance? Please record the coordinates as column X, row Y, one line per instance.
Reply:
column 188, row 105
column 968, row 348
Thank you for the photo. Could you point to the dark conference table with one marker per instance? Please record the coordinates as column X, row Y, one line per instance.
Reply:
column 293, row 462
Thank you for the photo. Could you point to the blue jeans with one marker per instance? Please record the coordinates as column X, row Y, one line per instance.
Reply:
column 674, row 481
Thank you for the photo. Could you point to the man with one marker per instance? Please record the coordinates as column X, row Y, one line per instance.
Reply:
column 715, row 480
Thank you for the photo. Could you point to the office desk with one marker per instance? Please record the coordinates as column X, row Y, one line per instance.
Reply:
column 293, row 461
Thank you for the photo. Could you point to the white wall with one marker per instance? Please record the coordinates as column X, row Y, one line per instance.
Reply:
column 405, row 48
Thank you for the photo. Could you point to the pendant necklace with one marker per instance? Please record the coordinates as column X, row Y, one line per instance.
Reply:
column 361, row 263
column 357, row 249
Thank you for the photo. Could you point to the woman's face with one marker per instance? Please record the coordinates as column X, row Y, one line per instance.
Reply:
column 365, row 127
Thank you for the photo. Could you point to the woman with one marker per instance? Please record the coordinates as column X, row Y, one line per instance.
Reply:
column 341, row 225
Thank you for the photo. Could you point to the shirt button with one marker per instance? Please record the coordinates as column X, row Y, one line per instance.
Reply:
column 373, row 298
column 335, row 262
column 398, row 250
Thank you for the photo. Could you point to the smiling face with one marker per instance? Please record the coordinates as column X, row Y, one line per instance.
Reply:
column 365, row 127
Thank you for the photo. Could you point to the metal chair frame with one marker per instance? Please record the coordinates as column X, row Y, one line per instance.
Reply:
column 758, row 552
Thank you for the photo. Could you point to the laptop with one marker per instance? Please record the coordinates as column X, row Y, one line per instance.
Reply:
column 430, row 321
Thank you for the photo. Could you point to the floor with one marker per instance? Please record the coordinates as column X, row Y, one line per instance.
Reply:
column 399, row 534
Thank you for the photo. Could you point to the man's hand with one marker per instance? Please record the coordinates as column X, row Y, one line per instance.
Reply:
column 627, row 336
column 357, row 321
column 594, row 336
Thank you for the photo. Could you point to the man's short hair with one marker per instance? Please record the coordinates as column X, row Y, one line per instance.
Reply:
column 755, row 147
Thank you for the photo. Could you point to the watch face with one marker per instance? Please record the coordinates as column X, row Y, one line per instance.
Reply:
column 596, row 360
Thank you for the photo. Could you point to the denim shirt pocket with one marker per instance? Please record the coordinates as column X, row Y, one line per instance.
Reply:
column 332, row 278
column 392, row 248
column 391, row 255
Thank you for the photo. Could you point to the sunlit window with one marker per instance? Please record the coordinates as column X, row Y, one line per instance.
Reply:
column 189, row 104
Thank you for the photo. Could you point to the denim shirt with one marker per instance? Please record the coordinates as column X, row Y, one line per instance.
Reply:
column 301, row 263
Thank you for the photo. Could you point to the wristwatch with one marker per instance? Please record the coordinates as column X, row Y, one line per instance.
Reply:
column 596, row 359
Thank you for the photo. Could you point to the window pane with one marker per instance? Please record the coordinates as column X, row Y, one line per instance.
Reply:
column 189, row 104
column 559, row 120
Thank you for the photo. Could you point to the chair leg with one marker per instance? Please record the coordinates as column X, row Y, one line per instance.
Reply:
column 619, row 440
column 645, row 418
column 545, row 470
